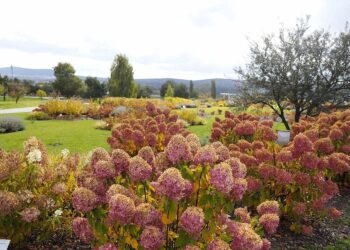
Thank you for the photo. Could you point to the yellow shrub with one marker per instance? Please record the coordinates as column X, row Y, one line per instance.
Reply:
column 55, row 107
column 73, row 107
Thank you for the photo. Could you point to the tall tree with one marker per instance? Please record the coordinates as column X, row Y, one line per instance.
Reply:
column 144, row 92
column 16, row 90
column 122, row 82
column 302, row 69
column 94, row 88
column 164, row 87
column 169, row 91
column 213, row 89
column 4, row 82
column 181, row 90
column 191, row 89
column 67, row 83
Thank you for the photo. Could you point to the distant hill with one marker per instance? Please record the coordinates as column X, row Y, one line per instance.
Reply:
column 44, row 75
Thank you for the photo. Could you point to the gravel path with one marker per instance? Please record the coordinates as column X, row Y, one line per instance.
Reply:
column 17, row 110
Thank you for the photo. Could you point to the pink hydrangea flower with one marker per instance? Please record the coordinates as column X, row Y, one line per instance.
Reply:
column 178, row 150
column 309, row 160
column 121, row 209
column 221, row 178
column 139, row 169
column 239, row 170
column 223, row 153
column 147, row 154
column 120, row 160
column 83, row 199
column 243, row 236
column 99, row 154
column 83, row 230
column 242, row 214
column 254, row 184
column 263, row 155
column 104, row 169
column 147, row 215
column 267, row 134
column 334, row 213
column 245, row 128
column 336, row 134
column 269, row 222
column 302, row 144
column 151, row 238
column 268, row 207
column 218, row 244
column 285, row 155
column 192, row 221
column 107, row 246
column 307, row 230
column 267, row 171
column 324, row 145
column 266, row 244
column 171, row 184
column 59, row 188
column 283, row 177
column 30, row 214
column 240, row 186
column 206, row 156
column 117, row 189
column 302, row 179
column 339, row 163
column 244, row 145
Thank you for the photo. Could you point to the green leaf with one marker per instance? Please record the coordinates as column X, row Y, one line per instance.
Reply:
column 183, row 239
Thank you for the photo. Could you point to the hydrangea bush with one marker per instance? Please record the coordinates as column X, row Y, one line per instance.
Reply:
column 155, row 131
column 34, row 191
column 185, row 197
column 302, row 175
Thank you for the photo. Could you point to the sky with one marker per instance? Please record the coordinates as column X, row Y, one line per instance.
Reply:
column 188, row 39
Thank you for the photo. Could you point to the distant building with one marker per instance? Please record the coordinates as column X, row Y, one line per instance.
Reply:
column 229, row 97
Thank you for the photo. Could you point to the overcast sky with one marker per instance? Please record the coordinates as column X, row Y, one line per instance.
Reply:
column 182, row 39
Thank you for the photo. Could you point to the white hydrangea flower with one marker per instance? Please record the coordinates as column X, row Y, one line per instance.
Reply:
column 58, row 212
column 65, row 152
column 34, row 156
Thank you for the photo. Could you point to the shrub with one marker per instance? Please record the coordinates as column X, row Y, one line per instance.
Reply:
column 191, row 117
column 11, row 124
column 186, row 197
column 38, row 115
column 54, row 107
column 73, row 107
column 35, row 192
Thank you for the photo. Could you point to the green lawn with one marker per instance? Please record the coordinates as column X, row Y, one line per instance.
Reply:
column 22, row 103
column 77, row 136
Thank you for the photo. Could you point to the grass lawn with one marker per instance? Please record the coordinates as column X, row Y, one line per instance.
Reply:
column 77, row 136
column 10, row 102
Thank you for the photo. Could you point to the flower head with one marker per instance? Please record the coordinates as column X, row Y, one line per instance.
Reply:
column 59, row 188
column 178, row 149
column 34, row 156
column 83, row 199
column 83, row 230
column 192, row 221
column 240, row 186
column 218, row 244
column 242, row 214
column 121, row 209
column 104, row 169
column 151, row 238
column 171, row 184
column 268, row 207
column 147, row 154
column 139, row 169
column 221, row 178
column 117, row 189
column 334, row 213
column 243, row 236
column 206, row 156
column 239, row 170
column 99, row 154
column 324, row 145
column 30, row 214
column 299, row 208
column 302, row 144
column 269, row 222
column 120, row 160
column 147, row 215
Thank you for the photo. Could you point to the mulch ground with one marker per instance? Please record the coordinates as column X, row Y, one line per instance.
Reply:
column 326, row 232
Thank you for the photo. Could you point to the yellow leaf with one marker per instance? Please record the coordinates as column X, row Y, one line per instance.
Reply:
column 166, row 220
column 172, row 235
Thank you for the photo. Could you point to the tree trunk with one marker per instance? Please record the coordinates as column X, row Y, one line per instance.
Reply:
column 297, row 115
column 17, row 98
column 4, row 96
column 284, row 120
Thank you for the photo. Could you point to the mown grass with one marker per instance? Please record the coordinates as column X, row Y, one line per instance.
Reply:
column 10, row 102
column 77, row 136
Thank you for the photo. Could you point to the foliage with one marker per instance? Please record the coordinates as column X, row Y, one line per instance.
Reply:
column 181, row 90
column 307, row 70
column 41, row 93
column 67, row 83
column 38, row 115
column 191, row 117
column 122, row 82
column 191, row 90
column 11, row 124
column 169, row 91
column 155, row 130
column 144, row 92
column 94, row 88
column 180, row 198
column 17, row 90
column 35, row 192
column 259, row 110
column 55, row 107
column 311, row 164
column 164, row 87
